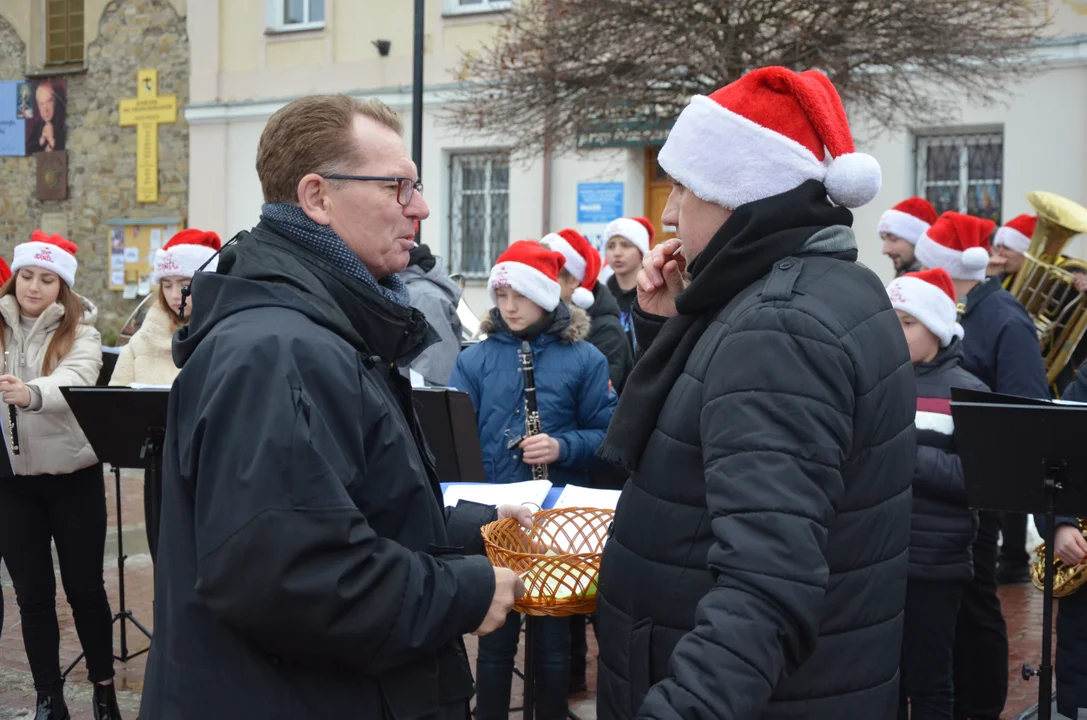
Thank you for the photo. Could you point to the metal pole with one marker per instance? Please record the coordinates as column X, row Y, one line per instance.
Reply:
column 417, row 98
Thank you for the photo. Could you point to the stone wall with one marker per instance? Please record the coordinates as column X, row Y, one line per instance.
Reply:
column 132, row 34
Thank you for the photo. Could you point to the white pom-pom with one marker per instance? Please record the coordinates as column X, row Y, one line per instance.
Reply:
column 583, row 298
column 975, row 258
column 853, row 180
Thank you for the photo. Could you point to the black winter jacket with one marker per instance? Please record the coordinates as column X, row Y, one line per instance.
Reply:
column 305, row 567
column 757, row 567
column 943, row 525
column 606, row 334
column 1001, row 344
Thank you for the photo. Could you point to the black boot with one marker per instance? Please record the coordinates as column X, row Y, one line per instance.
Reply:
column 105, row 703
column 51, row 706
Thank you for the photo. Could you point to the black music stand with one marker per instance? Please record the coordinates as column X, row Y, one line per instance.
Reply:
column 125, row 427
column 1048, row 474
column 449, row 426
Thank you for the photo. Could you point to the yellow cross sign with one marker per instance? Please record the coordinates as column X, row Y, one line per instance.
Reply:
column 146, row 111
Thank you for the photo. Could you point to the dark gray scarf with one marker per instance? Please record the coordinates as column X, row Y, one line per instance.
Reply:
column 324, row 241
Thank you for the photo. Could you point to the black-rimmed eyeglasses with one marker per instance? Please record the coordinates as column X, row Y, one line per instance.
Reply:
column 404, row 193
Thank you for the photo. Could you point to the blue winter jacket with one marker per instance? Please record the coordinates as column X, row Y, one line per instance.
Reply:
column 572, row 396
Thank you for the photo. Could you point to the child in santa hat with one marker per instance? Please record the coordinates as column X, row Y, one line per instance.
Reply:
column 628, row 240
column 575, row 404
column 579, row 284
column 943, row 525
column 147, row 357
column 901, row 227
column 1000, row 348
column 57, row 495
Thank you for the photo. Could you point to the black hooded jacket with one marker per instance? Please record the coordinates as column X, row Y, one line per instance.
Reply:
column 305, row 567
column 606, row 334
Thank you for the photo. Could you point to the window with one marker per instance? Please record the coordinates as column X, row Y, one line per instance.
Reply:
column 964, row 173
column 462, row 7
column 64, row 32
column 291, row 15
column 479, row 220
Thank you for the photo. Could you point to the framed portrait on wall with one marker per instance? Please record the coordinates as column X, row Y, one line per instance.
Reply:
column 46, row 130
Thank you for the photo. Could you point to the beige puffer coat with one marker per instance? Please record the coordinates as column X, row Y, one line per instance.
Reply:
column 147, row 357
column 50, row 440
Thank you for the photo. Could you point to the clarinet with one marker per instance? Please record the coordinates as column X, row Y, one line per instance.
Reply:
column 532, row 414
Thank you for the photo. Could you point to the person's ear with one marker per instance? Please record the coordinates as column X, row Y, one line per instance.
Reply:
column 314, row 199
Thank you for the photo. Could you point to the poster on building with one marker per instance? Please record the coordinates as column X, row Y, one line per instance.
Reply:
column 12, row 130
column 599, row 202
column 45, row 129
column 132, row 246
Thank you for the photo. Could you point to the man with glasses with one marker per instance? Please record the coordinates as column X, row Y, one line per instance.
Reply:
column 307, row 567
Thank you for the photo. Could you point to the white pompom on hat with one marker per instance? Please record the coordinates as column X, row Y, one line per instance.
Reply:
column 765, row 134
column 50, row 252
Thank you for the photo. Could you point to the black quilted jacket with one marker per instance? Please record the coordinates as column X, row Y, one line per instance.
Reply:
column 757, row 567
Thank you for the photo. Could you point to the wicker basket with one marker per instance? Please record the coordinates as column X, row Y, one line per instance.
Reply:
column 558, row 560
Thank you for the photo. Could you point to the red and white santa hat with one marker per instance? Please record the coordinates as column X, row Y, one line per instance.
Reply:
column 582, row 261
column 908, row 219
column 765, row 134
column 51, row 252
column 929, row 296
column 957, row 243
column 530, row 269
column 1016, row 234
column 185, row 253
column 638, row 230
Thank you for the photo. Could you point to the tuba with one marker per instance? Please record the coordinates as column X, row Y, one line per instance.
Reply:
column 1044, row 283
column 1066, row 580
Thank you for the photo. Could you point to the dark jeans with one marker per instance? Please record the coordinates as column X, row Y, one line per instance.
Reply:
column 579, row 646
column 1013, row 551
column 928, row 640
column 981, row 637
column 70, row 510
column 494, row 668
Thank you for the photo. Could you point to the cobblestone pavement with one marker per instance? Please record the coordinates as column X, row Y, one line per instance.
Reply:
column 1022, row 608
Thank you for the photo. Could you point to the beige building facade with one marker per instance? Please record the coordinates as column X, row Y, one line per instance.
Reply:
column 250, row 57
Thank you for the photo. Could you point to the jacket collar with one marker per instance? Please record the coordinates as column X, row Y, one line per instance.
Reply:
column 48, row 320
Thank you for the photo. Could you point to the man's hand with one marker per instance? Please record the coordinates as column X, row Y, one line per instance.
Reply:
column 663, row 276
column 15, row 391
column 1079, row 281
column 1069, row 545
column 507, row 588
column 521, row 512
column 996, row 265
column 540, row 449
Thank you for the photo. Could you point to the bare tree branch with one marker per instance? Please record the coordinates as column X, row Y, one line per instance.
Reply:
column 563, row 68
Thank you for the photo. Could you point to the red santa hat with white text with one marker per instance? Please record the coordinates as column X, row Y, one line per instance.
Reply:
column 1016, row 234
column 957, row 243
column 185, row 253
column 50, row 252
column 908, row 219
column 765, row 134
column 582, row 261
column 929, row 296
column 530, row 269
column 638, row 230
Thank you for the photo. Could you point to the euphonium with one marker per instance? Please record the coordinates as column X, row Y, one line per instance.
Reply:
column 1044, row 283
column 1066, row 580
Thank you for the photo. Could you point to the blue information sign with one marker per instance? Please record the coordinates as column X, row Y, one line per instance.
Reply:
column 599, row 202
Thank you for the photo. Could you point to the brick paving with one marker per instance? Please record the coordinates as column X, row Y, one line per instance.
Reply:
column 1022, row 608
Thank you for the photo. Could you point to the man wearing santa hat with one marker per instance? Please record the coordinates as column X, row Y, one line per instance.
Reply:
column 899, row 229
column 757, row 563
column 1000, row 349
